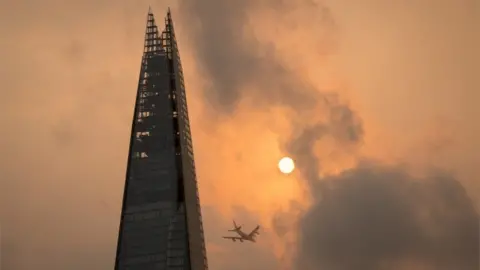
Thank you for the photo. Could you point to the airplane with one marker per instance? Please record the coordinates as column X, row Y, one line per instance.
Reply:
column 242, row 235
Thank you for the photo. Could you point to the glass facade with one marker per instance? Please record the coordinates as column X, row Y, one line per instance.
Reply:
column 161, row 225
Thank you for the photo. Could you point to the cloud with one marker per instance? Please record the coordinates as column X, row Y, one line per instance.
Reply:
column 236, row 62
column 380, row 217
column 343, row 125
column 390, row 199
column 273, row 72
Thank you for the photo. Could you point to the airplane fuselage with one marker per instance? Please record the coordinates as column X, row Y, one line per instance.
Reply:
column 245, row 236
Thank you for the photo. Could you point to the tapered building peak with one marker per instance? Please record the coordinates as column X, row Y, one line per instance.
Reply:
column 159, row 40
column 161, row 224
column 153, row 38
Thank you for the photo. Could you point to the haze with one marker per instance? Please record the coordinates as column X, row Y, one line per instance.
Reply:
column 376, row 102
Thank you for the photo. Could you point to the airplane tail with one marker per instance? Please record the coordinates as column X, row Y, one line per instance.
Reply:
column 235, row 227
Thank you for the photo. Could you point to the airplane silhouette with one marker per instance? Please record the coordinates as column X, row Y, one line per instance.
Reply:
column 242, row 235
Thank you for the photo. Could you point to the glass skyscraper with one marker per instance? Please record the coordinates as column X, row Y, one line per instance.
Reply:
column 161, row 224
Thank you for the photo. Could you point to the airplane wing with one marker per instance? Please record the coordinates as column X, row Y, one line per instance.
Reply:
column 254, row 232
column 234, row 238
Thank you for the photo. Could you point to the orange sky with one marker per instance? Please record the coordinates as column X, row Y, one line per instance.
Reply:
column 69, row 71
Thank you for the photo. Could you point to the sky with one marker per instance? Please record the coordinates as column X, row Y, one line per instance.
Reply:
column 376, row 102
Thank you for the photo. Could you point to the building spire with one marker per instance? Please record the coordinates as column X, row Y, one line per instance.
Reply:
column 153, row 37
column 168, row 21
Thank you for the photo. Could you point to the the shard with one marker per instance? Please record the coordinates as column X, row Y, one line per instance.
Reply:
column 161, row 224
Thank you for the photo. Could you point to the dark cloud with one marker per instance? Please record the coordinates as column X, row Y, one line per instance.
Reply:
column 342, row 124
column 378, row 217
column 231, row 56
column 375, row 217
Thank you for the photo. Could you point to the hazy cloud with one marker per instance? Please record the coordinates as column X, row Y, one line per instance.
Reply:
column 368, row 217
column 235, row 61
column 377, row 217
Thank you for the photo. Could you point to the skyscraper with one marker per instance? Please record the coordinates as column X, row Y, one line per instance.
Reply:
column 161, row 224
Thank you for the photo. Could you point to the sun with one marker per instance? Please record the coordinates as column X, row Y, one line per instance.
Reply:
column 286, row 165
